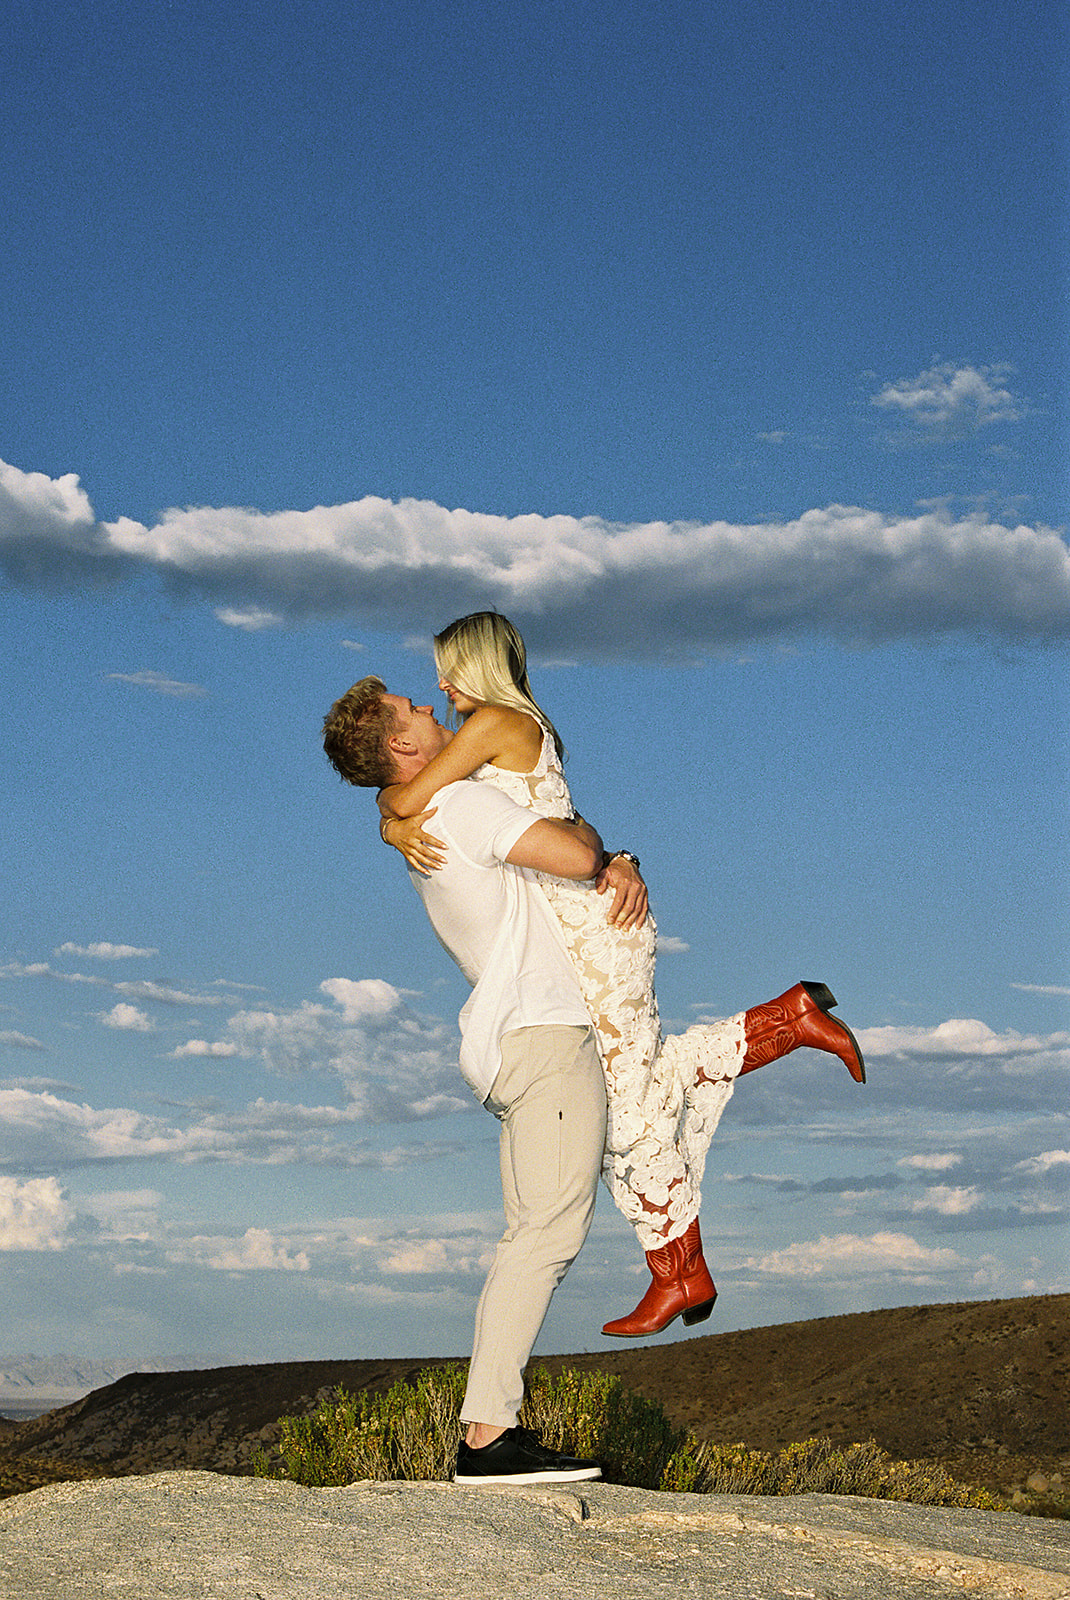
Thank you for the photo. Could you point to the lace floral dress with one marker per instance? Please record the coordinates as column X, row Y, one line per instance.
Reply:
column 665, row 1096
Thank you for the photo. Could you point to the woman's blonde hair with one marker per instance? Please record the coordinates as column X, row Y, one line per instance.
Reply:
column 483, row 655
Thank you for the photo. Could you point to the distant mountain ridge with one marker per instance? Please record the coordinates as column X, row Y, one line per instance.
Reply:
column 27, row 1378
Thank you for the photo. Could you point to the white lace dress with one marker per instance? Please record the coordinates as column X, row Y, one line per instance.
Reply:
column 665, row 1096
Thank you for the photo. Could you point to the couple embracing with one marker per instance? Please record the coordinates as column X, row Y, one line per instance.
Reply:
column 560, row 1037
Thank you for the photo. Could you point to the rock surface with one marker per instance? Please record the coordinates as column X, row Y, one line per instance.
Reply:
column 200, row 1536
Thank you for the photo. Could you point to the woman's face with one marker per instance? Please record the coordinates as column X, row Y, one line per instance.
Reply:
column 462, row 703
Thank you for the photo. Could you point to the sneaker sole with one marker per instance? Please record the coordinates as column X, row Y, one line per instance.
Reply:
column 580, row 1475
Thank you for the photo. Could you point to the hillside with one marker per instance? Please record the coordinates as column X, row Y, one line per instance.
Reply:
column 980, row 1386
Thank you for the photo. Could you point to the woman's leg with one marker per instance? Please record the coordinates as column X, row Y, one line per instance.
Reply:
column 645, row 1169
column 666, row 1097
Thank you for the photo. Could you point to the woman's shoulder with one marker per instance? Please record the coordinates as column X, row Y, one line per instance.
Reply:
column 505, row 717
column 516, row 736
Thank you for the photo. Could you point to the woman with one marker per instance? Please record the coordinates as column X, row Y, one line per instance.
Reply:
column 665, row 1096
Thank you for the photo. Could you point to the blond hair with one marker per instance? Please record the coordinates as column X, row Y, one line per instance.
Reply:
column 355, row 731
column 483, row 655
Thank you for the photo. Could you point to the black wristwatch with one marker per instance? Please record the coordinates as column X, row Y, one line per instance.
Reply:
column 624, row 855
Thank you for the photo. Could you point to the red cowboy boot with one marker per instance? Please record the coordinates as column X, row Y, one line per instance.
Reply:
column 799, row 1018
column 681, row 1285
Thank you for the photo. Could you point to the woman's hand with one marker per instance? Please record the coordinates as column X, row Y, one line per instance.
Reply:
column 423, row 852
column 629, row 906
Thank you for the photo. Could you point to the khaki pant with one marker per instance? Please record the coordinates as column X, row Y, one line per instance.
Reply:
column 550, row 1099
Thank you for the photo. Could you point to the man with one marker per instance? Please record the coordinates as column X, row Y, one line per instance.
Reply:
column 527, row 1050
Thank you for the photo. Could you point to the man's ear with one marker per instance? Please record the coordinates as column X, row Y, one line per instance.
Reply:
column 399, row 744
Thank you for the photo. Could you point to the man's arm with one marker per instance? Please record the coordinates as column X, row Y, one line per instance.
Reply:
column 567, row 849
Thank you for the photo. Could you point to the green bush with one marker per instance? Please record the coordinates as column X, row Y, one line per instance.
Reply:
column 591, row 1414
column 700, row 1468
column 816, row 1466
column 411, row 1432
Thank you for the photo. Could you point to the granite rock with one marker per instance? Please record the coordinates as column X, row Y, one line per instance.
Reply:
column 201, row 1536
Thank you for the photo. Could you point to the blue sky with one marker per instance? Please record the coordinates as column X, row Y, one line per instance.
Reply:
column 725, row 352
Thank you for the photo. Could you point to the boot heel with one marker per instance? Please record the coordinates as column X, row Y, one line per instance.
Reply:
column 697, row 1313
column 821, row 995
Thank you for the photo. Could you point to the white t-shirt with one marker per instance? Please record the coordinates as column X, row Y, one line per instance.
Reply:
column 497, row 925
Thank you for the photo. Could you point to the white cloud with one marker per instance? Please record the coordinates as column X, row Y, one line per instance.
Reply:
column 252, row 620
column 103, row 951
column 396, row 1066
column 49, row 538
column 444, row 1249
column 958, row 1065
column 277, row 1133
column 39, row 1085
column 42, row 1130
column 133, row 989
column 1048, row 1161
column 849, row 1187
column 202, row 1047
column 19, row 1041
column 159, row 683
column 289, row 1042
column 850, row 1253
column 960, row 1036
column 939, row 1161
column 393, row 1065
column 41, row 969
column 1041, row 988
column 436, row 1257
column 947, row 1200
column 951, row 401
column 126, row 1017
column 124, row 1214
column 668, row 945
column 256, row 1251
column 579, row 584
column 362, row 997
column 164, row 994
column 33, row 1215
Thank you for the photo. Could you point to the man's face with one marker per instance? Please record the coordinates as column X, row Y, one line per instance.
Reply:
column 418, row 729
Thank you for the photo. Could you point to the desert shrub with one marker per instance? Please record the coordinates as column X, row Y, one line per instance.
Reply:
column 411, row 1432
column 697, row 1467
column 816, row 1466
column 21, row 1473
column 592, row 1414
column 926, row 1483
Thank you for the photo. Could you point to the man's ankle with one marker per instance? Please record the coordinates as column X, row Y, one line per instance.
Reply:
column 480, row 1434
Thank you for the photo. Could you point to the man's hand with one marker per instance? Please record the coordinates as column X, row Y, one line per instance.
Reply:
column 629, row 906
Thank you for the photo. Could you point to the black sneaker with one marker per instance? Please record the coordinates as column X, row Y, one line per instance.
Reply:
column 518, row 1457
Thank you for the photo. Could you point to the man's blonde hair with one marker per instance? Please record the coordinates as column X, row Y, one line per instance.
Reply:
column 355, row 731
column 483, row 655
